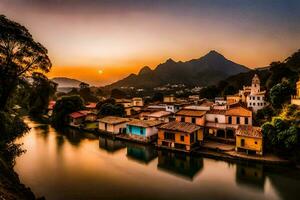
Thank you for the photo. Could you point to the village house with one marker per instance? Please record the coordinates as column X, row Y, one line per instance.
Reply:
column 50, row 108
column 78, row 118
column 113, row 125
column 169, row 99
column 251, row 95
column 249, row 139
column 131, row 106
column 163, row 116
column 296, row 99
column 191, row 116
column 91, row 117
column 142, row 130
column 256, row 98
column 179, row 136
column 92, row 107
column 223, row 124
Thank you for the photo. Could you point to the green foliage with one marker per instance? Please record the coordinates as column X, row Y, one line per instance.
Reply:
column 108, row 109
column 11, row 127
column 42, row 91
column 158, row 96
column 20, row 55
column 282, row 134
column 264, row 115
column 280, row 94
column 63, row 107
column 209, row 92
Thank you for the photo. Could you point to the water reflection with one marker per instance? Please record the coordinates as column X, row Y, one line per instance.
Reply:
column 110, row 145
column 76, row 165
column 141, row 153
column 251, row 175
column 179, row 164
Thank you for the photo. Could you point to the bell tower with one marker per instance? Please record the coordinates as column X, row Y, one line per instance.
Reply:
column 255, row 87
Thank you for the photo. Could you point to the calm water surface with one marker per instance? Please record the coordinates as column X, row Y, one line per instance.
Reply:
column 74, row 165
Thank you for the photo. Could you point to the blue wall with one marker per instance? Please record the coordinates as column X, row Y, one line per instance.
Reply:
column 135, row 130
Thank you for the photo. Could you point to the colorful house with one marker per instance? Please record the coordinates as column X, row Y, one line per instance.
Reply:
column 78, row 118
column 142, row 130
column 193, row 116
column 113, row 125
column 179, row 136
column 163, row 116
column 249, row 139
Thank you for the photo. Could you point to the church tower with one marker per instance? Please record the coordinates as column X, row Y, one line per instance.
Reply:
column 255, row 87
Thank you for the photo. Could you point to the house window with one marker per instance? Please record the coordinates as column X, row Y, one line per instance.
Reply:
column 238, row 120
column 182, row 138
column 253, row 104
column 169, row 136
column 242, row 142
column 182, row 119
column 246, row 120
column 141, row 131
column 192, row 138
column 105, row 124
column 216, row 120
column 193, row 120
column 258, row 98
column 255, row 142
column 130, row 129
column 229, row 120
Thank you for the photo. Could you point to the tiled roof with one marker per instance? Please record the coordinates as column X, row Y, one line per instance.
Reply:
column 91, row 105
column 216, row 111
column 113, row 120
column 144, row 123
column 180, row 126
column 79, row 114
column 190, row 112
column 239, row 111
column 159, row 114
column 249, row 131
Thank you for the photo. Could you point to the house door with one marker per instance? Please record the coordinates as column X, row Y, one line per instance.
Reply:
column 242, row 142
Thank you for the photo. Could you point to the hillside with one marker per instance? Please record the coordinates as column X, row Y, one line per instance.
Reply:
column 207, row 70
column 64, row 82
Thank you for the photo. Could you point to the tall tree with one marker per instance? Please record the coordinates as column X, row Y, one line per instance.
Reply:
column 20, row 56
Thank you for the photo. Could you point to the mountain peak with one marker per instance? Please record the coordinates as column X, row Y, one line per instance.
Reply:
column 170, row 60
column 214, row 53
column 145, row 70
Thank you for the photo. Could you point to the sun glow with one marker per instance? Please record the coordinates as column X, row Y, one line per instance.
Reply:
column 100, row 71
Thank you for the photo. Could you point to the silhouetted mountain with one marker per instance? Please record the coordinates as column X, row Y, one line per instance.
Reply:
column 64, row 82
column 207, row 70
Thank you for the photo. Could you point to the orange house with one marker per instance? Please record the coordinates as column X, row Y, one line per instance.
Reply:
column 179, row 136
column 191, row 116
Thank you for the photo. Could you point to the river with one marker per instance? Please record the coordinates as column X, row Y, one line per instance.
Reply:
column 74, row 165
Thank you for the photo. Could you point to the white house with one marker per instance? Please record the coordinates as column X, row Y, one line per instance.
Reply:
column 256, row 98
column 113, row 125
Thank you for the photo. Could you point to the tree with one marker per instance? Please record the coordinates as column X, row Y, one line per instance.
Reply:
column 41, row 92
column 63, row 107
column 109, row 109
column 118, row 94
column 20, row 55
column 209, row 92
column 280, row 93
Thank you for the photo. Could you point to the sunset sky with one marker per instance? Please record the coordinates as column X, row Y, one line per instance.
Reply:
column 102, row 41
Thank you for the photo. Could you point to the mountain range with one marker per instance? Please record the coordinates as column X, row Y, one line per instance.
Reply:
column 206, row 70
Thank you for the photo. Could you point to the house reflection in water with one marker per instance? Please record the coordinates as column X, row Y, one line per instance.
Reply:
column 179, row 164
column 141, row 153
column 251, row 175
column 110, row 145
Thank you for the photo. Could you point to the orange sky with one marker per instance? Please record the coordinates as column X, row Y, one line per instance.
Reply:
column 119, row 38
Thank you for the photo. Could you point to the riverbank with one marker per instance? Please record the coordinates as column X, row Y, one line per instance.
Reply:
column 10, row 186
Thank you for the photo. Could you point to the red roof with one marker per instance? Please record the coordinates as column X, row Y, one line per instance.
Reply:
column 51, row 105
column 91, row 105
column 79, row 114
